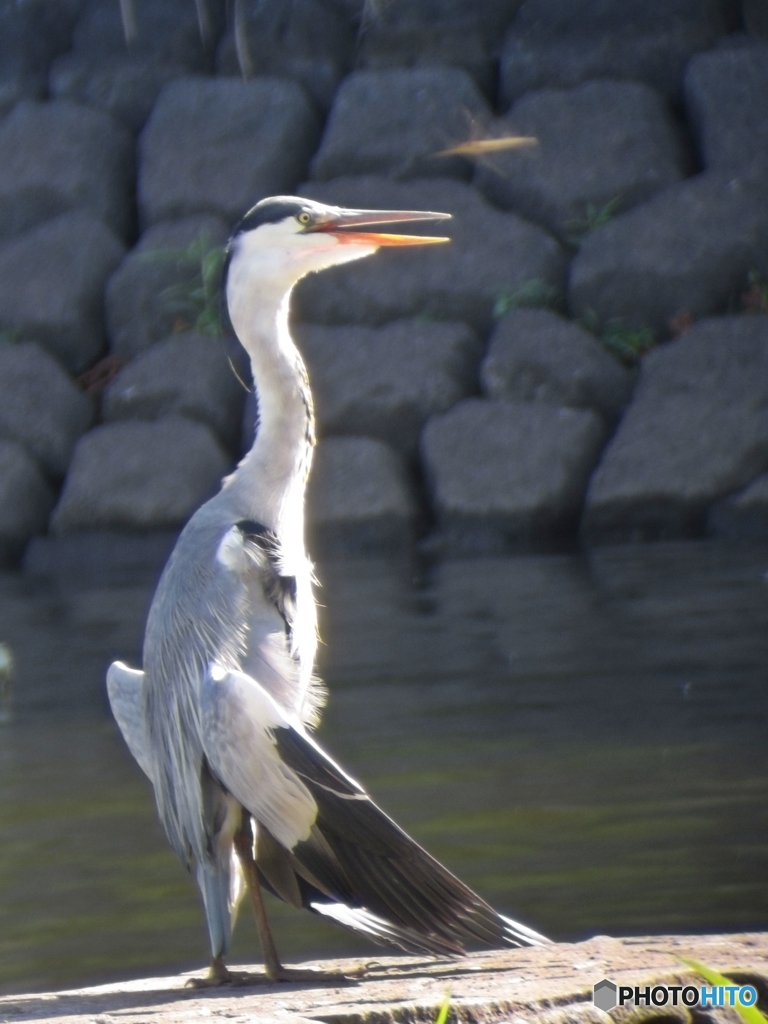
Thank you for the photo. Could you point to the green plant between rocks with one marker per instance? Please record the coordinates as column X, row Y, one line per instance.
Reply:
column 594, row 217
column 533, row 294
column 193, row 300
column 629, row 344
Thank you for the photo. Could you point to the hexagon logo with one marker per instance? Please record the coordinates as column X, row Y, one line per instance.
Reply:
column 604, row 995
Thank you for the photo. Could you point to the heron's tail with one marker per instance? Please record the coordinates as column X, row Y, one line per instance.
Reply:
column 360, row 869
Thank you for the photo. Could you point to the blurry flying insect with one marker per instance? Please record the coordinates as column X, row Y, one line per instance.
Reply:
column 484, row 147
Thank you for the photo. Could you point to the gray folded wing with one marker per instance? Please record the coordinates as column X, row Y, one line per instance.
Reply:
column 125, row 688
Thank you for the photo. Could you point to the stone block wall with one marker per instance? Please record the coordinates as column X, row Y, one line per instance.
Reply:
column 587, row 360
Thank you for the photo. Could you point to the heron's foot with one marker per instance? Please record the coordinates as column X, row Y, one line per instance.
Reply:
column 281, row 973
column 220, row 975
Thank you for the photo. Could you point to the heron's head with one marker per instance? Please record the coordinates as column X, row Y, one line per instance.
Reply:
column 283, row 238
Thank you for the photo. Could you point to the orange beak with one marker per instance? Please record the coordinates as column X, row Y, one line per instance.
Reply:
column 339, row 225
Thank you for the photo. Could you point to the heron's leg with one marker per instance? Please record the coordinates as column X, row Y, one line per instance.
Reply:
column 272, row 966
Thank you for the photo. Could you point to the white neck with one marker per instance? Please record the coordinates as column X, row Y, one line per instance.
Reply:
column 270, row 480
column 265, row 265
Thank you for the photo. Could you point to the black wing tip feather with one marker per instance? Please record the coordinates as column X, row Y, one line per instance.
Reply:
column 359, row 868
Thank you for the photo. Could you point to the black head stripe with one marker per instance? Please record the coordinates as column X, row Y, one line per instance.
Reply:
column 270, row 211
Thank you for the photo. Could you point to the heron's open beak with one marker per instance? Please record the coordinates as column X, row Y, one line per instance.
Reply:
column 339, row 226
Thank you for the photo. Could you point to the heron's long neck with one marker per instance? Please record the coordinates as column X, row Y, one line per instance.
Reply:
column 271, row 478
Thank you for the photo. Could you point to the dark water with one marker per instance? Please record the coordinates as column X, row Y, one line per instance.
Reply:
column 581, row 738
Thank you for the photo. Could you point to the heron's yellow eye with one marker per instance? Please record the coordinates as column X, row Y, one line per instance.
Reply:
column 304, row 218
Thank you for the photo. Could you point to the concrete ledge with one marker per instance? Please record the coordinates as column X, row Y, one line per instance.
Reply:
column 552, row 984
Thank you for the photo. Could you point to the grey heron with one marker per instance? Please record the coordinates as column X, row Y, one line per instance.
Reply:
column 220, row 717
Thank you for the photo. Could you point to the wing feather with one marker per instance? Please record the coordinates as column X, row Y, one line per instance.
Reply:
column 238, row 717
column 125, row 688
column 349, row 860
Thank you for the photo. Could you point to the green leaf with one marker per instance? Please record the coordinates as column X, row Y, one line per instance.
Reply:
column 749, row 1014
column 445, row 1007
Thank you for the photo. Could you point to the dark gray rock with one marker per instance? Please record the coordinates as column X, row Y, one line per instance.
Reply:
column 40, row 406
column 61, row 156
column 554, row 44
column 696, row 430
column 359, row 500
column 125, row 79
column 725, row 94
column 186, row 375
column 124, row 86
column 507, row 475
column 385, row 382
column 393, row 122
column 490, row 257
column 31, row 33
column 686, row 251
column 309, row 41
column 139, row 476
column 742, row 516
column 755, row 13
column 52, row 282
column 26, row 499
column 169, row 31
column 601, row 146
column 462, row 33
column 537, row 356
column 219, row 145
column 140, row 301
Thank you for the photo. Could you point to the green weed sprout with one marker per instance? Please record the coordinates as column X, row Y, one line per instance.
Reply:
column 445, row 1008
column 594, row 217
column 533, row 294
column 627, row 343
column 194, row 300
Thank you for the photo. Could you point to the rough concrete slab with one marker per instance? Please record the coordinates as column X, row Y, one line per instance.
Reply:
column 550, row 984
column 306, row 40
column 462, row 33
column 60, row 156
column 535, row 355
column 725, row 91
column 384, row 382
column 557, row 182
column 359, row 499
column 219, row 145
column 508, row 475
column 696, row 430
column 392, row 122
column 26, row 500
column 554, row 44
column 41, row 407
column 187, row 375
column 139, row 476
column 52, row 282
column 687, row 251
column 742, row 516
column 30, row 35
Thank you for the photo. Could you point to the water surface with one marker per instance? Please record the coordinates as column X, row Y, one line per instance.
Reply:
column 580, row 737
